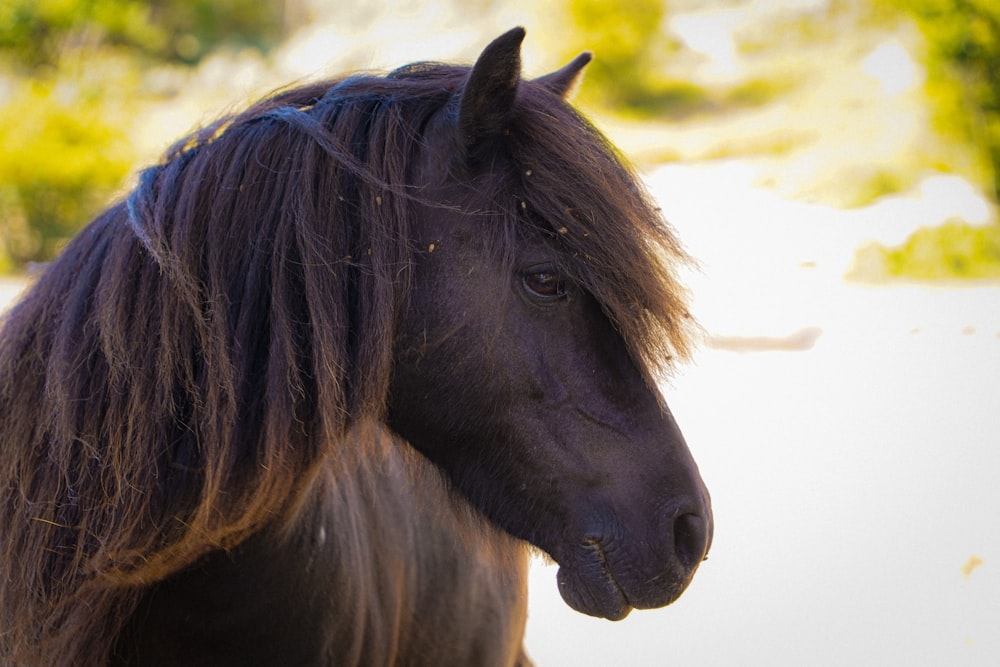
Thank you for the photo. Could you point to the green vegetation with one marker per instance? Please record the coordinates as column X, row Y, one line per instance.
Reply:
column 71, row 86
column 963, row 86
column 757, row 92
column 963, row 39
column 953, row 251
column 629, row 75
column 60, row 164
column 44, row 32
column 875, row 183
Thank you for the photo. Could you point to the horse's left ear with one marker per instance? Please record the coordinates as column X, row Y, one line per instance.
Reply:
column 563, row 81
column 488, row 97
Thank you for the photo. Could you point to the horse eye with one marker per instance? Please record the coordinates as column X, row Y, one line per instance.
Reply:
column 546, row 285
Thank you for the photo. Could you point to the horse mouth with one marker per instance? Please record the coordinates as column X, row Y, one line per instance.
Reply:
column 590, row 586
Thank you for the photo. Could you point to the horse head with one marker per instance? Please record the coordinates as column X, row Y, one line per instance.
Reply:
column 525, row 359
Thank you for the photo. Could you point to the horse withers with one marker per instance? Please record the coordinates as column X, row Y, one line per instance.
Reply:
column 311, row 391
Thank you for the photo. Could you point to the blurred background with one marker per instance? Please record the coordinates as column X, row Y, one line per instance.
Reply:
column 833, row 165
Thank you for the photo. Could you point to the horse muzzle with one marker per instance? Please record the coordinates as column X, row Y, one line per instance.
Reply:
column 608, row 574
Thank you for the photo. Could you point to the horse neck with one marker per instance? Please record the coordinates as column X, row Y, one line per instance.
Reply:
column 379, row 564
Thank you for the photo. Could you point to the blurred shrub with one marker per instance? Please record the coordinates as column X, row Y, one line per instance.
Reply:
column 70, row 84
column 632, row 46
column 63, row 157
column 963, row 66
column 39, row 32
column 955, row 250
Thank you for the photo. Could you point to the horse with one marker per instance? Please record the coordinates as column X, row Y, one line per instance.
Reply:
column 314, row 391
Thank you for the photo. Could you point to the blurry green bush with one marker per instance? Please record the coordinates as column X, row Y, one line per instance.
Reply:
column 953, row 251
column 42, row 32
column 963, row 73
column 962, row 61
column 629, row 77
column 63, row 156
column 70, row 76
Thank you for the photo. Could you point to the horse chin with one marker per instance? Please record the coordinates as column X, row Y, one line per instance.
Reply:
column 593, row 593
column 590, row 583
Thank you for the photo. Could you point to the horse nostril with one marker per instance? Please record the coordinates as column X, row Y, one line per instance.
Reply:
column 690, row 539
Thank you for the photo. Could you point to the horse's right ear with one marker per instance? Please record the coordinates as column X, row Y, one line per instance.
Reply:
column 488, row 96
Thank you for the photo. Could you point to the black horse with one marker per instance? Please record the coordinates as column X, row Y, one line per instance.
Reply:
column 310, row 392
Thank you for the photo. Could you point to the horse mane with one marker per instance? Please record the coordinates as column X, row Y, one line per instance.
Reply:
column 175, row 380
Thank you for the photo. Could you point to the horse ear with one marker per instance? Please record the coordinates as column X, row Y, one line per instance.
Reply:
column 563, row 82
column 489, row 92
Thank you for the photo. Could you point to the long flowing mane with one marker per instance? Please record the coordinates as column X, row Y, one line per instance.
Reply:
column 176, row 379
